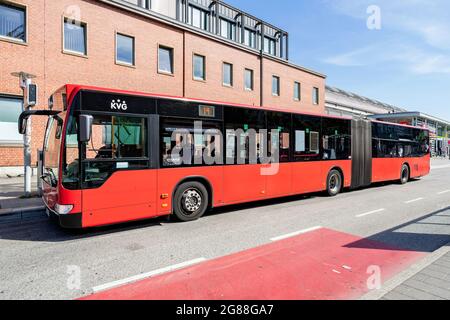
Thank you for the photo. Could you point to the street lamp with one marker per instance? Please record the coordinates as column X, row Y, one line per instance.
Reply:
column 30, row 95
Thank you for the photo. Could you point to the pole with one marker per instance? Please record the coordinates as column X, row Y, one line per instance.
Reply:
column 27, row 150
column 24, row 82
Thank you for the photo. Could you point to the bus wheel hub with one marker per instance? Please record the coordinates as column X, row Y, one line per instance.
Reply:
column 192, row 200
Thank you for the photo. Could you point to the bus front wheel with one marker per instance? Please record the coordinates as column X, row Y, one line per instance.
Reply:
column 334, row 183
column 190, row 201
column 404, row 176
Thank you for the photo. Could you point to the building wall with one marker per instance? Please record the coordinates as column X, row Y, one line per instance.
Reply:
column 43, row 56
column 216, row 54
column 288, row 76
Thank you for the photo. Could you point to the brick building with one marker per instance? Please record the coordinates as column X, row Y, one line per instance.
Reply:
column 188, row 48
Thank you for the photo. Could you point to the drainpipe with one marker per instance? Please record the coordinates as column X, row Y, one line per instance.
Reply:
column 261, row 64
column 184, row 64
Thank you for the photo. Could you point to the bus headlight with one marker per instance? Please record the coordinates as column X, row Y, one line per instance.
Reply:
column 63, row 208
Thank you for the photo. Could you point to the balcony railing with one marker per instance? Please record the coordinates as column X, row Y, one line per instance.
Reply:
column 220, row 19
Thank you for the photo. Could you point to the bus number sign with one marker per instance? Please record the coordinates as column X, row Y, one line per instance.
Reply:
column 207, row 111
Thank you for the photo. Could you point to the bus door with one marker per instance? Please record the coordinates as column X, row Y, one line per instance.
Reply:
column 243, row 180
column 307, row 170
column 279, row 173
column 117, row 180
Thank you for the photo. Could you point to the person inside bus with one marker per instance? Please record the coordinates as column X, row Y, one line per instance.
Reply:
column 71, row 172
column 401, row 151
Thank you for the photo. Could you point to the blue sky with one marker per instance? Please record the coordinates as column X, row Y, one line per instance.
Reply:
column 405, row 63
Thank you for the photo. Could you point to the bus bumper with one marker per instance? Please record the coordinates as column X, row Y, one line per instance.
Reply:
column 67, row 221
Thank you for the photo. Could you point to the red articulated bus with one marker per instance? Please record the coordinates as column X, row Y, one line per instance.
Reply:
column 114, row 156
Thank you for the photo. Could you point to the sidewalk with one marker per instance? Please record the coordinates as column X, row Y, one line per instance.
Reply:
column 440, row 163
column 11, row 201
column 427, row 280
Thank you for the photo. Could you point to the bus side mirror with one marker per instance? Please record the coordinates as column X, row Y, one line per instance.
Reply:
column 86, row 127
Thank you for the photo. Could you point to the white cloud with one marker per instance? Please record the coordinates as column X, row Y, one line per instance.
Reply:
column 418, row 40
column 427, row 19
column 419, row 61
column 409, row 58
column 350, row 59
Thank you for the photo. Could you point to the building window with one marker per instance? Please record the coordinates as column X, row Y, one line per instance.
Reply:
column 165, row 7
column 199, row 67
column 10, row 109
column 165, row 60
column 139, row 3
column 250, row 38
column 315, row 96
column 228, row 74
column 125, row 49
column 227, row 29
column 248, row 80
column 269, row 46
column 75, row 36
column 297, row 91
column 12, row 22
column 198, row 18
column 276, row 86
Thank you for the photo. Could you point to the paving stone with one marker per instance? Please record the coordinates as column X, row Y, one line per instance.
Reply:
column 431, row 289
column 443, row 284
column 436, row 268
column 393, row 295
column 435, row 274
column 416, row 294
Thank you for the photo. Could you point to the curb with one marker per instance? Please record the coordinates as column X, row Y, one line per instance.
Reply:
column 21, row 213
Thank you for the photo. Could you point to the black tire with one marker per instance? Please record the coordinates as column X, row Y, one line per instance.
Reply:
column 190, row 201
column 334, row 183
column 404, row 174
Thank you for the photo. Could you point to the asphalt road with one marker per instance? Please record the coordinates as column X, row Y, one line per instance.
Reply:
column 37, row 258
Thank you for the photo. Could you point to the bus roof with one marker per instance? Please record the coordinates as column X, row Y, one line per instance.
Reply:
column 400, row 125
column 75, row 88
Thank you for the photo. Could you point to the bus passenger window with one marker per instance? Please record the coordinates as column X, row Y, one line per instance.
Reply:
column 279, row 130
column 117, row 137
column 182, row 144
column 307, row 138
column 336, row 139
column 117, row 143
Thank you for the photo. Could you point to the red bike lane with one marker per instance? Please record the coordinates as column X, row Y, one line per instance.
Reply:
column 319, row 265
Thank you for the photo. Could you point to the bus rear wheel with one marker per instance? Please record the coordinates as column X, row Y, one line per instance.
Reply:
column 404, row 176
column 190, row 201
column 334, row 183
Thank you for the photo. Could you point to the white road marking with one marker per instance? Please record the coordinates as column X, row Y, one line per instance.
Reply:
column 440, row 167
column 150, row 274
column 293, row 234
column 347, row 267
column 335, row 271
column 369, row 213
column 414, row 200
column 443, row 192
